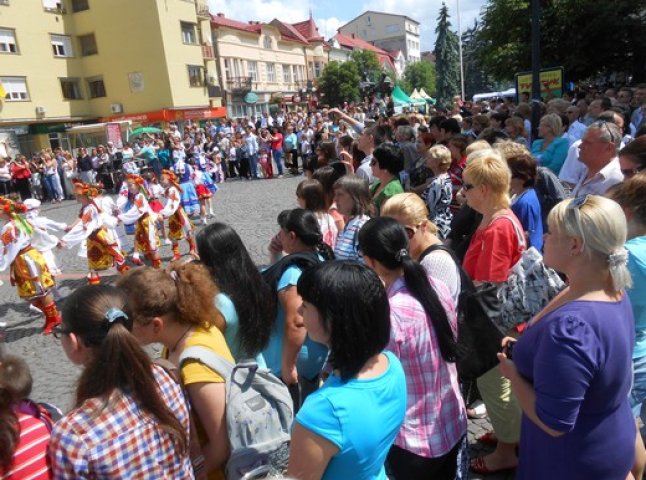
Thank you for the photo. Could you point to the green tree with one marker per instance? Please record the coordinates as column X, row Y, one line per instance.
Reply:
column 476, row 77
column 339, row 82
column 367, row 64
column 585, row 37
column 447, row 62
column 419, row 75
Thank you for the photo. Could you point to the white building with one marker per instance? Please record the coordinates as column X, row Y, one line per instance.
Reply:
column 388, row 31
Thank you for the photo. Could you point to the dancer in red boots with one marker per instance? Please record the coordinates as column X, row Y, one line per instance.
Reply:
column 28, row 269
column 90, row 232
column 179, row 225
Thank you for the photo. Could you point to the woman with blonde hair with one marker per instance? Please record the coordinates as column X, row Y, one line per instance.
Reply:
column 551, row 149
column 571, row 369
column 175, row 307
column 410, row 211
column 494, row 249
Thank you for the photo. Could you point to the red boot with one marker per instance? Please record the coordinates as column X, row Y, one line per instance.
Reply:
column 93, row 279
column 176, row 254
column 122, row 267
column 52, row 318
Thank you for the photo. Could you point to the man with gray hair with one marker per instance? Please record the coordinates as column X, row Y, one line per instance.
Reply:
column 598, row 152
column 405, row 136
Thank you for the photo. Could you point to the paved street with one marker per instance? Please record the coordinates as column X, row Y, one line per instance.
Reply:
column 250, row 207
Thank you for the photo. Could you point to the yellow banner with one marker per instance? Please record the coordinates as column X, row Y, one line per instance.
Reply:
column 551, row 82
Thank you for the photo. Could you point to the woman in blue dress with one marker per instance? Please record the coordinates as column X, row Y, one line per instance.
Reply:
column 571, row 369
column 186, row 174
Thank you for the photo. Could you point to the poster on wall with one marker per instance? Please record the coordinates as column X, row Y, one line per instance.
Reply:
column 113, row 134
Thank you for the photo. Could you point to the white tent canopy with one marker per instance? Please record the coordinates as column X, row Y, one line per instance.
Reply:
column 511, row 92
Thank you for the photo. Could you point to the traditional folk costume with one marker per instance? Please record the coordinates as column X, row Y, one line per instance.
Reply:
column 102, row 249
column 146, row 238
column 205, row 187
column 28, row 270
column 185, row 174
column 179, row 225
column 42, row 240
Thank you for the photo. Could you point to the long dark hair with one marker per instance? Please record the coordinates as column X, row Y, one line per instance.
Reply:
column 385, row 240
column 9, row 429
column 223, row 253
column 306, row 228
column 117, row 361
column 354, row 311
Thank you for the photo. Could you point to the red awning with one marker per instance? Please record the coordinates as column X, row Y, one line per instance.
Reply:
column 169, row 115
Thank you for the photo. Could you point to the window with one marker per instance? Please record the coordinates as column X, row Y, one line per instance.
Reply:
column 8, row 41
column 317, row 69
column 295, row 72
column 227, row 68
column 71, row 88
column 392, row 28
column 15, row 88
column 287, row 74
column 271, row 74
column 196, row 75
column 96, row 87
column 253, row 70
column 53, row 6
column 188, row 33
column 266, row 42
column 88, row 44
column 61, row 45
column 80, row 5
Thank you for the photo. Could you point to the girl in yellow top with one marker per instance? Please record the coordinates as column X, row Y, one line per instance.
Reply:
column 179, row 313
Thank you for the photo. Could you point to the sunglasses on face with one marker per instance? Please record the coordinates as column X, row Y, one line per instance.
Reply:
column 467, row 186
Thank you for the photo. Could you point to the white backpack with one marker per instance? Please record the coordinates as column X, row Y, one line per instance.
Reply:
column 259, row 415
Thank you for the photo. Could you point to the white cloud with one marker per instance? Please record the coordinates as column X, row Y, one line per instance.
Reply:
column 426, row 12
column 329, row 26
column 261, row 10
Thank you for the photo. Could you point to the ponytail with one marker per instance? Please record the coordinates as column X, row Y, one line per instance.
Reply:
column 418, row 284
column 117, row 361
column 385, row 240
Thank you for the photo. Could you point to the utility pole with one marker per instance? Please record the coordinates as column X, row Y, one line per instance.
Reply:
column 460, row 48
column 536, row 66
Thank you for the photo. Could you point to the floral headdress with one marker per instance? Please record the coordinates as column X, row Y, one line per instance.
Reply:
column 135, row 179
column 15, row 210
column 172, row 178
column 86, row 189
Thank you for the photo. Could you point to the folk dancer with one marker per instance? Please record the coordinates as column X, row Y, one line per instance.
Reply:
column 146, row 238
column 185, row 173
column 90, row 232
column 27, row 267
column 179, row 225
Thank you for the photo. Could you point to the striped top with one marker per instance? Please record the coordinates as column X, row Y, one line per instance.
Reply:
column 347, row 242
column 30, row 457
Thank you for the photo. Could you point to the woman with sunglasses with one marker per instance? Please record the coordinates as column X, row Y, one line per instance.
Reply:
column 410, row 212
column 495, row 247
column 571, row 368
column 632, row 158
column 131, row 419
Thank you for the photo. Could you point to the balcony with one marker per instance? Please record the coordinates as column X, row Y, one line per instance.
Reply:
column 207, row 52
column 239, row 85
column 202, row 10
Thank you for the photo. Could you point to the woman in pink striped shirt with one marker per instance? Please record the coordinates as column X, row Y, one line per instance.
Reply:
column 423, row 336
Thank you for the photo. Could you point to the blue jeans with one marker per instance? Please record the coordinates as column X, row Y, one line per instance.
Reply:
column 253, row 165
column 278, row 159
column 638, row 392
column 53, row 185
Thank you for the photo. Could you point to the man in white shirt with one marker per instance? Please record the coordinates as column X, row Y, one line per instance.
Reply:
column 598, row 152
column 577, row 128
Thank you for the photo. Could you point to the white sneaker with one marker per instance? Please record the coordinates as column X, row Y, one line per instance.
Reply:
column 204, row 221
column 167, row 241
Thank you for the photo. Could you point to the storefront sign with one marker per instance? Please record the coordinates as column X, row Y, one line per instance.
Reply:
column 169, row 115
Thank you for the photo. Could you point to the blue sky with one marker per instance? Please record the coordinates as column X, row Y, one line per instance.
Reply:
column 331, row 14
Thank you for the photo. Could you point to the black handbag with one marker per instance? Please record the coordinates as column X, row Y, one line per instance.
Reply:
column 479, row 340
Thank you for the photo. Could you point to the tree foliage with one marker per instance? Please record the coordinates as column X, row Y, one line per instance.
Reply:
column 447, row 62
column 476, row 77
column 339, row 82
column 419, row 75
column 367, row 64
column 586, row 37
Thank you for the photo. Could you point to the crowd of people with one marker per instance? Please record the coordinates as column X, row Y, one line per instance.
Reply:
column 360, row 313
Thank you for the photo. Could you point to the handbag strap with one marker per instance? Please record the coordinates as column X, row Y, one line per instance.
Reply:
column 520, row 235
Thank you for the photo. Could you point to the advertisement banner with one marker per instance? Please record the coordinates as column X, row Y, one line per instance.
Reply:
column 551, row 80
column 113, row 134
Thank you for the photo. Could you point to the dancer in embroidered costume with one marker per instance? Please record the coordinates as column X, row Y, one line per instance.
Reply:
column 179, row 225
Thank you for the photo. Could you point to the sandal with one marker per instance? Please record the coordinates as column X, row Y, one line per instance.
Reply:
column 488, row 438
column 478, row 465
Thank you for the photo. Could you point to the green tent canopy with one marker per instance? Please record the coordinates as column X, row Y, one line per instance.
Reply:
column 399, row 97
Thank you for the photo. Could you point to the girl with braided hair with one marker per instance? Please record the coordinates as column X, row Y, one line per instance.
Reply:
column 28, row 269
column 146, row 238
column 179, row 225
column 101, row 247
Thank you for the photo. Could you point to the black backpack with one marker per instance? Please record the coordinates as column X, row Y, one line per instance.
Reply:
column 303, row 260
column 479, row 340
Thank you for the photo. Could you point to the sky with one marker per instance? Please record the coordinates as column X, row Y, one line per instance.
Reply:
column 331, row 14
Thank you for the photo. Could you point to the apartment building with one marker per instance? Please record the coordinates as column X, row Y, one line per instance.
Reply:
column 342, row 46
column 388, row 31
column 69, row 62
column 261, row 64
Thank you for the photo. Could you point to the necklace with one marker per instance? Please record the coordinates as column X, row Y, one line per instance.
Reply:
column 172, row 350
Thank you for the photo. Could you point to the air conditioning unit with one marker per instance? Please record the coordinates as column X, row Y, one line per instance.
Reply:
column 116, row 108
column 41, row 110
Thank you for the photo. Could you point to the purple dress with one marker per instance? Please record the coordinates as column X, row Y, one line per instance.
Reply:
column 578, row 359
